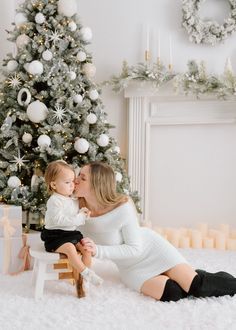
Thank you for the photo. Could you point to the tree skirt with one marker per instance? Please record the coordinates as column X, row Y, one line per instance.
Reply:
column 113, row 306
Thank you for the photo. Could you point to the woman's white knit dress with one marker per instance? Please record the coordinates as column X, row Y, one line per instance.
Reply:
column 138, row 252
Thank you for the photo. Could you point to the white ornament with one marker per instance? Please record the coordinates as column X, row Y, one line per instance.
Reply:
column 117, row 149
column 27, row 137
column 24, row 92
column 81, row 56
column 89, row 69
column 67, row 8
column 35, row 68
column 91, row 118
column 13, row 182
column 118, row 176
column 37, row 111
column 44, row 141
column 78, row 98
column 47, row 55
column 86, row 34
column 14, row 81
column 22, row 40
column 93, row 94
column 39, row 18
column 72, row 75
column 81, row 145
column 12, row 65
column 20, row 19
column 72, row 26
column 103, row 140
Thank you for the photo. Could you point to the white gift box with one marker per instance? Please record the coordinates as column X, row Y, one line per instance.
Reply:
column 9, row 250
column 10, row 215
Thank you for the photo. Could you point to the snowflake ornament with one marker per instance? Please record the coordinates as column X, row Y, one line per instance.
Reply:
column 19, row 161
column 14, row 81
column 55, row 37
column 59, row 113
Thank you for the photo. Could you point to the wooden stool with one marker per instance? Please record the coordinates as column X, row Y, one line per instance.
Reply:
column 42, row 262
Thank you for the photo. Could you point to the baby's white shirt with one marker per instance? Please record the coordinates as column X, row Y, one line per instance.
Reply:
column 63, row 213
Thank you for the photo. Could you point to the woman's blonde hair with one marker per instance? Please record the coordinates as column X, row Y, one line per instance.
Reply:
column 103, row 183
column 53, row 170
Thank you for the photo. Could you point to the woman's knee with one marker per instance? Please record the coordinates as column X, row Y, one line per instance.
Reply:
column 183, row 274
column 154, row 287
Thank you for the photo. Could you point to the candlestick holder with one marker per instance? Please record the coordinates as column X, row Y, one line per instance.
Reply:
column 170, row 67
column 147, row 55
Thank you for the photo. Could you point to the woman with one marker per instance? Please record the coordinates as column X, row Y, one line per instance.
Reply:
column 147, row 263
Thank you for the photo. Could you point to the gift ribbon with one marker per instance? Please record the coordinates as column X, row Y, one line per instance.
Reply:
column 24, row 255
column 8, row 231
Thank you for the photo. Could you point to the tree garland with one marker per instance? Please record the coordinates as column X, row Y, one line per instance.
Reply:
column 206, row 32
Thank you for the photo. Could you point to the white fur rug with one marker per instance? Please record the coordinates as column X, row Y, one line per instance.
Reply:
column 113, row 306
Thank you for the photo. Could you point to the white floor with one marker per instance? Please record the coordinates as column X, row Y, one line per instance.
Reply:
column 113, row 306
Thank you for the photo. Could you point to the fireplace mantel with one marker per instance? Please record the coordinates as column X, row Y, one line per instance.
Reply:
column 150, row 108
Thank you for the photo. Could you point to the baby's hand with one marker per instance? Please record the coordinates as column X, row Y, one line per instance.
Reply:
column 85, row 211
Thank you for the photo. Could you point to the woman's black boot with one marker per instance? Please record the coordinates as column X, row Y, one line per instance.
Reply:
column 212, row 285
column 172, row 291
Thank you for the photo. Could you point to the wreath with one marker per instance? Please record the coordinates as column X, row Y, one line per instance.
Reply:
column 206, row 32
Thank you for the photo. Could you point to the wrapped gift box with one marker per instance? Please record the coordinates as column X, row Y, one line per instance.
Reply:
column 10, row 262
column 11, row 215
column 9, row 250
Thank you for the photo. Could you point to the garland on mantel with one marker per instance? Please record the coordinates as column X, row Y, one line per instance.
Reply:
column 195, row 81
column 154, row 73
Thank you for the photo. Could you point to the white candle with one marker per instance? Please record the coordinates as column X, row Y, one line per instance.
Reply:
column 208, row 243
column 184, row 242
column 196, row 239
column 147, row 38
column 228, row 65
column 225, row 229
column 203, row 227
column 231, row 244
column 220, row 241
column 170, row 50
column 159, row 45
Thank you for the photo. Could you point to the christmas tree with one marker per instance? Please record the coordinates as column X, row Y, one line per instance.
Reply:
column 51, row 107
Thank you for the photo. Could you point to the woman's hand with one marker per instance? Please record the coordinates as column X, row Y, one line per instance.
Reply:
column 89, row 245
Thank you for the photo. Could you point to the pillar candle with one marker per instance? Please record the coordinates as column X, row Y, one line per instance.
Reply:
column 170, row 51
column 184, row 242
column 233, row 233
column 203, row 228
column 231, row 244
column 220, row 241
column 208, row 242
column 173, row 237
column 225, row 229
column 147, row 38
column 196, row 239
column 183, row 231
